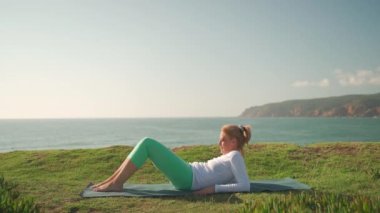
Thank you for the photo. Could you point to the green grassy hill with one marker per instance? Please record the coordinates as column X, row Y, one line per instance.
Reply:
column 342, row 106
column 343, row 175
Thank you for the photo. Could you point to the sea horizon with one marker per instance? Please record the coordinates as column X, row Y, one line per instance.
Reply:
column 184, row 117
column 72, row 133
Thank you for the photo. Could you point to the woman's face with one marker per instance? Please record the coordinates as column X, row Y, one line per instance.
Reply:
column 226, row 144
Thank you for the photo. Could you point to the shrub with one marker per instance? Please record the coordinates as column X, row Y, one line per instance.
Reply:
column 10, row 200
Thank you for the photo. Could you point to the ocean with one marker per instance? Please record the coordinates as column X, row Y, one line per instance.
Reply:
column 36, row 134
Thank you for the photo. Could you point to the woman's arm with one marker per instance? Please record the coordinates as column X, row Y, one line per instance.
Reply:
column 205, row 191
column 238, row 168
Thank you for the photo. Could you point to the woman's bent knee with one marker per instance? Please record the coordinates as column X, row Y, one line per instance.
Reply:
column 147, row 141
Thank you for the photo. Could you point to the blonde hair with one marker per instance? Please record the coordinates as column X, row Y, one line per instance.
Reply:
column 242, row 133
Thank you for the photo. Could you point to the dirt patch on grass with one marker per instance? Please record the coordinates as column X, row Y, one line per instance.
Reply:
column 340, row 149
column 182, row 148
column 36, row 157
column 256, row 147
column 326, row 150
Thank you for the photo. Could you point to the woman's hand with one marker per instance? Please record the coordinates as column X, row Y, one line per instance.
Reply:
column 205, row 191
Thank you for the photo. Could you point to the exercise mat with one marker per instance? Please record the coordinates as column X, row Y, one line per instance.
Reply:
column 167, row 189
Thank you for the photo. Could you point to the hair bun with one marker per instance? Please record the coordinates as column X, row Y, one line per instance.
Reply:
column 246, row 132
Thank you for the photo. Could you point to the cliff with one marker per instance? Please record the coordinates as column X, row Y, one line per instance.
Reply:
column 341, row 106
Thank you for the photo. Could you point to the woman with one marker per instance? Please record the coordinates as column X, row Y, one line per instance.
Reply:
column 226, row 173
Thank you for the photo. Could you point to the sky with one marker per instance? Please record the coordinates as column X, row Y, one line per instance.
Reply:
column 91, row 59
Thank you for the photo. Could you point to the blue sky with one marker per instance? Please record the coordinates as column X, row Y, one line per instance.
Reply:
column 70, row 59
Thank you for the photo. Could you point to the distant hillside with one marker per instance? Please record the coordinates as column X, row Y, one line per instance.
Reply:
column 341, row 106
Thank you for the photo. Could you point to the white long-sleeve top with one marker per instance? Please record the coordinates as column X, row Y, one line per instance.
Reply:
column 227, row 173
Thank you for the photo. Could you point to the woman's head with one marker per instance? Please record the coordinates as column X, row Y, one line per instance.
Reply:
column 234, row 137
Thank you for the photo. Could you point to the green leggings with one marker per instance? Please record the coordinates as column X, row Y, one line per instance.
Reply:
column 175, row 169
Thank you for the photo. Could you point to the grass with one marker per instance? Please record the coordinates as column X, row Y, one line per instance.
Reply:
column 344, row 176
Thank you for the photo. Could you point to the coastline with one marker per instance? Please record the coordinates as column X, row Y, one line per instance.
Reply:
column 184, row 147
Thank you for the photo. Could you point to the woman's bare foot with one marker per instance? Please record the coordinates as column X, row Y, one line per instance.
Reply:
column 108, row 187
column 115, row 182
column 101, row 183
column 110, row 179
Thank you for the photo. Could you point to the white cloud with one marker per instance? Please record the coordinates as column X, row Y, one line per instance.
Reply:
column 304, row 83
column 358, row 78
column 301, row 84
column 324, row 83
